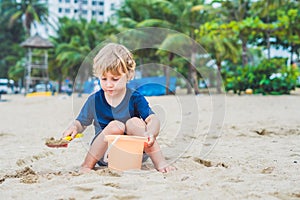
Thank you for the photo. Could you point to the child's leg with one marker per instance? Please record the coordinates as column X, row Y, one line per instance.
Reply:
column 99, row 145
column 136, row 126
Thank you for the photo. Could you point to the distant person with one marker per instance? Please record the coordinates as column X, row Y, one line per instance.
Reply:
column 116, row 110
column 69, row 89
column 53, row 90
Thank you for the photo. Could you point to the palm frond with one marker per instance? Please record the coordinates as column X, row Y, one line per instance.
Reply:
column 153, row 23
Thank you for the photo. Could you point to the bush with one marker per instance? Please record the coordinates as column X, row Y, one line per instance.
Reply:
column 269, row 77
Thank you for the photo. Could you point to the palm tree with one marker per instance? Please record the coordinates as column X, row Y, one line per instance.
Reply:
column 10, row 38
column 141, row 14
column 72, row 44
column 237, row 10
column 221, row 47
column 285, row 14
column 74, row 41
column 186, row 17
column 29, row 11
column 266, row 10
column 178, row 15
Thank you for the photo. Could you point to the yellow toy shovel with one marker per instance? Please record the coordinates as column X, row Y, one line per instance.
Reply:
column 63, row 142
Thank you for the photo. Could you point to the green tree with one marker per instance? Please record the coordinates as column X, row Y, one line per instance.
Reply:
column 185, row 17
column 235, row 11
column 30, row 11
column 221, row 45
column 140, row 14
column 288, row 35
column 16, row 72
column 178, row 15
column 71, row 46
column 266, row 10
column 10, row 38
column 73, row 42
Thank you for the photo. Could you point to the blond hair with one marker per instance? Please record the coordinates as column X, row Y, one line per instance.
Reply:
column 114, row 58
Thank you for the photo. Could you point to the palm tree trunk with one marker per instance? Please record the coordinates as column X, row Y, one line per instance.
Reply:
column 268, row 44
column 219, row 78
column 292, row 53
column 244, row 53
column 193, row 80
column 189, row 87
column 167, row 74
column 141, row 66
column 194, row 77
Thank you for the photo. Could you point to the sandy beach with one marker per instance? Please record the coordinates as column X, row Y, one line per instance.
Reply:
column 241, row 147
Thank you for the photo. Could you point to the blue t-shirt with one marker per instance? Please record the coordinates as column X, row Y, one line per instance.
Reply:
column 96, row 110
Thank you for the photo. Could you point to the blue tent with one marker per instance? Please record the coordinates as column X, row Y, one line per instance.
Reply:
column 153, row 86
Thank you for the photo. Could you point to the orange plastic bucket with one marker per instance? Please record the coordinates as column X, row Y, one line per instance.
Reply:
column 125, row 152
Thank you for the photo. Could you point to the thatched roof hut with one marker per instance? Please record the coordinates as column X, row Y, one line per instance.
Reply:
column 38, row 42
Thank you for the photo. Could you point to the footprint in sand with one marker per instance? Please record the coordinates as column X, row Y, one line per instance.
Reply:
column 31, row 159
column 108, row 172
column 207, row 163
column 128, row 197
column 26, row 175
column 99, row 197
column 114, row 185
column 268, row 170
column 84, row 189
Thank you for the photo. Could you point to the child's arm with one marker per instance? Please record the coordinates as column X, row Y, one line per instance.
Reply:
column 152, row 128
column 153, row 149
column 74, row 128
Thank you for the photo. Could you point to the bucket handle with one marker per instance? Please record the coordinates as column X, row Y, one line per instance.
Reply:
column 109, row 147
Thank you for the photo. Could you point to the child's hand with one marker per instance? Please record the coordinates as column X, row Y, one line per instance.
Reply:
column 151, row 140
column 72, row 131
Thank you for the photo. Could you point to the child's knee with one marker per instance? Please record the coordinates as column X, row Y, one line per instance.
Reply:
column 135, row 121
column 135, row 125
column 115, row 127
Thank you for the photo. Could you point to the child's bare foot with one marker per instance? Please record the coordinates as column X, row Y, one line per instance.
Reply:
column 85, row 170
column 164, row 167
column 167, row 169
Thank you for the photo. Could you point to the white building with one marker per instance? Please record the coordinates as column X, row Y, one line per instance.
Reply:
column 88, row 9
column 99, row 10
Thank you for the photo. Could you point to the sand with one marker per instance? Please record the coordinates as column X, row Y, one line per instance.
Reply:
column 237, row 147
